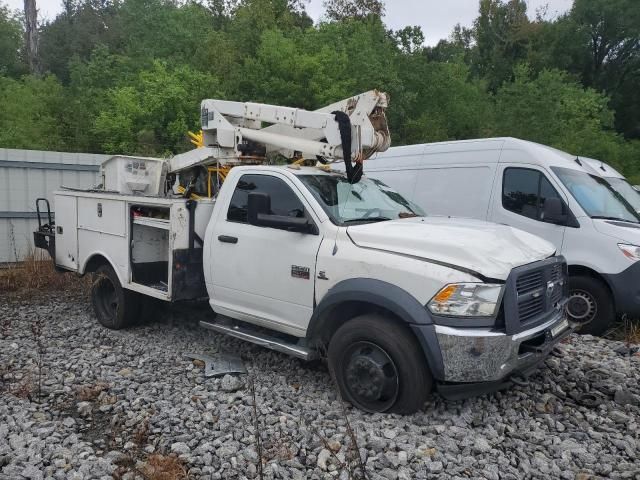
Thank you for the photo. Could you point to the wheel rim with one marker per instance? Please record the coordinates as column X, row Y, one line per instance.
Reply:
column 582, row 306
column 371, row 377
column 107, row 299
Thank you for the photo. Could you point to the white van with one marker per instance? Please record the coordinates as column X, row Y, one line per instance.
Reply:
column 538, row 189
column 619, row 183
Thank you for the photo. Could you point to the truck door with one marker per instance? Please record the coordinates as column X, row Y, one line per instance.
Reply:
column 518, row 200
column 261, row 274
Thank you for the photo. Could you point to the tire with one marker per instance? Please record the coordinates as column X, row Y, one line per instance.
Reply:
column 590, row 305
column 115, row 307
column 379, row 365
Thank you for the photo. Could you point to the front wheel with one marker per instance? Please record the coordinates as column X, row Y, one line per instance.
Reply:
column 590, row 305
column 379, row 365
column 114, row 306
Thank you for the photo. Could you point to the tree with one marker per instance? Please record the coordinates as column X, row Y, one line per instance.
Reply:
column 553, row 109
column 152, row 114
column 442, row 103
column 458, row 48
column 610, row 33
column 10, row 43
column 30, row 113
column 75, row 33
column 410, row 39
column 501, row 42
column 31, row 34
column 341, row 9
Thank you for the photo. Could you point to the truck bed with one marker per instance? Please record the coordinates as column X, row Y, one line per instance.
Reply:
column 153, row 243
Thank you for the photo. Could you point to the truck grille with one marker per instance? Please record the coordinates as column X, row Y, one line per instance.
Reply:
column 534, row 293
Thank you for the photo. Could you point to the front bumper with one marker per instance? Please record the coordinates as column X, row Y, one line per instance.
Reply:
column 626, row 290
column 482, row 355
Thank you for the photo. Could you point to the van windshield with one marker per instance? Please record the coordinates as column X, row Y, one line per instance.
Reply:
column 625, row 189
column 367, row 201
column 596, row 197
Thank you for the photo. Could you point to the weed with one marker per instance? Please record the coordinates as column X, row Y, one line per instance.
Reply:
column 627, row 330
column 163, row 467
column 141, row 433
column 280, row 448
column 23, row 389
column 256, row 421
column 37, row 327
column 36, row 273
column 89, row 393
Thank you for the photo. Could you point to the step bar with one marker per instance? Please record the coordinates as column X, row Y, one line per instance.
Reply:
column 259, row 338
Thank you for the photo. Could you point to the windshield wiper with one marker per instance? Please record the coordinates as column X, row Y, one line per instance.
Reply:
column 604, row 217
column 367, row 219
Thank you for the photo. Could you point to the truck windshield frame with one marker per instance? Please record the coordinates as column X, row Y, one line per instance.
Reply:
column 596, row 196
column 367, row 201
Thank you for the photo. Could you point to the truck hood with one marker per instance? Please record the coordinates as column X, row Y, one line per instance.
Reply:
column 490, row 249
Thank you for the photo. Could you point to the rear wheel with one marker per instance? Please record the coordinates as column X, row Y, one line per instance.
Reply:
column 590, row 305
column 379, row 365
column 114, row 306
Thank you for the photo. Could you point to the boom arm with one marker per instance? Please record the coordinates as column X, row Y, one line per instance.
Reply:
column 233, row 131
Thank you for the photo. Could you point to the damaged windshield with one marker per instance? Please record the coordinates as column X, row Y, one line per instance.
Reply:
column 367, row 201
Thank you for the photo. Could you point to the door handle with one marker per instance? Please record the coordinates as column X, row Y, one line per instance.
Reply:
column 227, row 239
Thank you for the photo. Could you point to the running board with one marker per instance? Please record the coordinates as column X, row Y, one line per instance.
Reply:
column 262, row 339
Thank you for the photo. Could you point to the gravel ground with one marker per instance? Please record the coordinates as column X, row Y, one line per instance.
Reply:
column 111, row 402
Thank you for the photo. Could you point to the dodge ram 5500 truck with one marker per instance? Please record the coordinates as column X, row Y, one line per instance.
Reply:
column 305, row 261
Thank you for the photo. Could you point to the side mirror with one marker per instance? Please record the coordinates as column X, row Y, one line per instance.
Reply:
column 259, row 214
column 553, row 211
column 257, row 204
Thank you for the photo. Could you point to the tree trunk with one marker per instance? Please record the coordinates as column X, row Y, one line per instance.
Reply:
column 31, row 34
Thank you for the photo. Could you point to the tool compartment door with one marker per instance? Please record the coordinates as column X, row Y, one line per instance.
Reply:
column 66, row 211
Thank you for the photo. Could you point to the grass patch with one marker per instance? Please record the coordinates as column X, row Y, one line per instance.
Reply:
column 37, row 273
column 163, row 467
column 627, row 330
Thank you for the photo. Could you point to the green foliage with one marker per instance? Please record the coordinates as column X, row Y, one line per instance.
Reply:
column 152, row 114
column 127, row 76
column 443, row 104
column 30, row 112
column 552, row 109
column 10, row 43
column 343, row 9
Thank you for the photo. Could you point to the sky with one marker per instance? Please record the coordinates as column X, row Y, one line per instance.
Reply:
column 436, row 17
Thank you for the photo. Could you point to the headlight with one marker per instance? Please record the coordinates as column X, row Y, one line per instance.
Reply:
column 466, row 300
column 630, row 251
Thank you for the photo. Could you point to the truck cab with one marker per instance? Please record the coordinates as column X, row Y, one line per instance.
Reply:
column 401, row 303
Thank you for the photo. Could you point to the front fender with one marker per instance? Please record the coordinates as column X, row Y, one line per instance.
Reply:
column 385, row 296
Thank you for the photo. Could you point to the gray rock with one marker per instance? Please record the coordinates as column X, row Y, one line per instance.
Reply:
column 84, row 408
column 625, row 397
column 434, row 467
column 231, row 383
column 542, row 430
column 481, row 445
column 180, row 448
column 323, row 459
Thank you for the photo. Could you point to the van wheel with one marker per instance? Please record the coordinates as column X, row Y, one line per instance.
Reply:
column 379, row 365
column 114, row 306
column 590, row 305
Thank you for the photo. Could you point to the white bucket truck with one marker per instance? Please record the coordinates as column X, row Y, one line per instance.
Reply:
column 306, row 260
